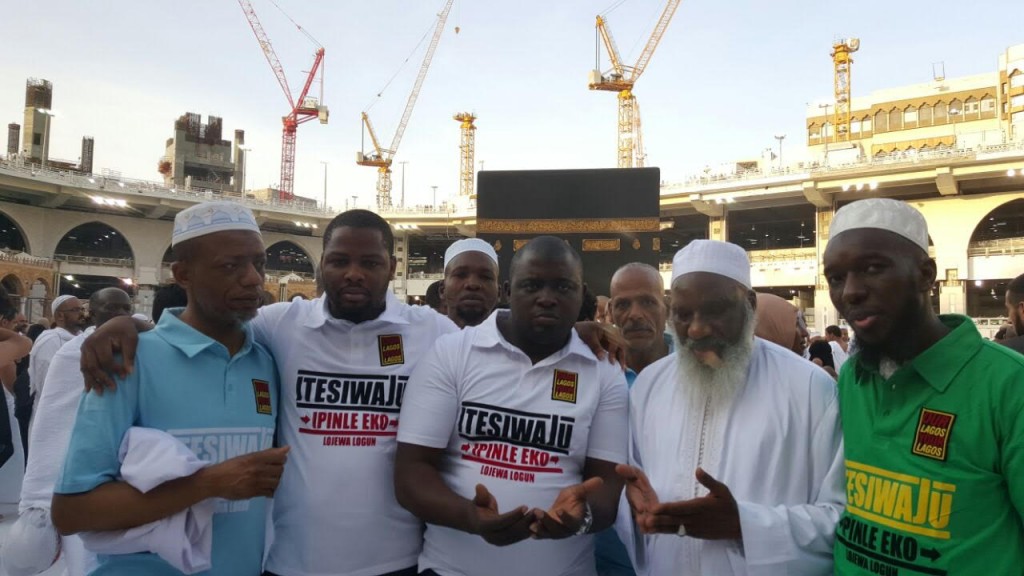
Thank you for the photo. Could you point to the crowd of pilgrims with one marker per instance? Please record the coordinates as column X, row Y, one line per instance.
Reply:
column 521, row 427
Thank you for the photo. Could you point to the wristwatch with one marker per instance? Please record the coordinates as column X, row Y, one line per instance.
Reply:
column 588, row 520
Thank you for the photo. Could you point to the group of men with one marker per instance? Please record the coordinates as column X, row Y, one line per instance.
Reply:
column 513, row 443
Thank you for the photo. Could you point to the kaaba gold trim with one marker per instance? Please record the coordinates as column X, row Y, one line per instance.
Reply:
column 601, row 245
column 567, row 226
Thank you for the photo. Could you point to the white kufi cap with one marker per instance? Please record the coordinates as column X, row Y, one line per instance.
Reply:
column 58, row 301
column 469, row 245
column 882, row 214
column 713, row 256
column 210, row 217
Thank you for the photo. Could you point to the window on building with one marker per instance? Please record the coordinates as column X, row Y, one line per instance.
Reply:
column 939, row 112
column 1017, row 80
column 855, row 126
column 972, row 108
column 910, row 116
column 865, row 124
column 881, row 121
column 895, row 119
column 988, row 105
column 880, row 155
column 924, row 115
column 827, row 130
column 1017, row 100
column 814, row 131
column 37, row 139
column 956, row 107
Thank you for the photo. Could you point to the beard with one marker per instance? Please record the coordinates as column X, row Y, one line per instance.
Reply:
column 717, row 385
column 902, row 333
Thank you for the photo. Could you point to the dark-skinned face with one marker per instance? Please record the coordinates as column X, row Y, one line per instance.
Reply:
column 223, row 276
column 356, row 269
column 112, row 304
column 470, row 288
column 708, row 312
column 1013, row 311
column 638, row 308
column 879, row 282
column 545, row 296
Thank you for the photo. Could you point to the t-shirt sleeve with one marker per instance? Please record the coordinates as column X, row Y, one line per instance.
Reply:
column 100, row 425
column 609, row 430
column 266, row 321
column 431, row 401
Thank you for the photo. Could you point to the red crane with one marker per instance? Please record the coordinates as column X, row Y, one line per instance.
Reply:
column 303, row 109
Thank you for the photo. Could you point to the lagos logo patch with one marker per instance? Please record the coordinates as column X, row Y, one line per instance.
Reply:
column 563, row 386
column 390, row 346
column 261, row 388
column 931, row 437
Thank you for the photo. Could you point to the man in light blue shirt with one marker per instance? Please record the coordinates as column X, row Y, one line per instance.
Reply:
column 200, row 377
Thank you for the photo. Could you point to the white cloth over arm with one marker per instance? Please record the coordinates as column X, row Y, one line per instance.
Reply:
column 781, row 457
column 150, row 458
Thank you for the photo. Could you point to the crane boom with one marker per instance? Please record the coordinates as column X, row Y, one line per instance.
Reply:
column 609, row 45
column 268, row 48
column 411, row 102
column 656, row 35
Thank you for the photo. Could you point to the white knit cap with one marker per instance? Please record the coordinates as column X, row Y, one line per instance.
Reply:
column 58, row 301
column 882, row 214
column 469, row 245
column 209, row 217
column 713, row 256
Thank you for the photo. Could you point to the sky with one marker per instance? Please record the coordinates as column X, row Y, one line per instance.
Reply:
column 727, row 77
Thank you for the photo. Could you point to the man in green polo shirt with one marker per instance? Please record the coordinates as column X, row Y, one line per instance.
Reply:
column 933, row 415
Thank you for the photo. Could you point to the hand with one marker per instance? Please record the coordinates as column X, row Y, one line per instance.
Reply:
column 565, row 517
column 712, row 517
column 604, row 340
column 243, row 477
column 641, row 496
column 498, row 529
column 99, row 350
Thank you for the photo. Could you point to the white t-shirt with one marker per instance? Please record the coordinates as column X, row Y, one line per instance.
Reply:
column 523, row 430
column 335, row 511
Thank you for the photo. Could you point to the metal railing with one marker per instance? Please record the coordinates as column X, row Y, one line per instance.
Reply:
column 95, row 260
column 24, row 258
column 998, row 247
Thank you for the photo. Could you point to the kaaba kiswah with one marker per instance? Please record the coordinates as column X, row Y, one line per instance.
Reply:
column 609, row 216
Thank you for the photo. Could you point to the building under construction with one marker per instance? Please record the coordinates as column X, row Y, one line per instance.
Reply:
column 33, row 144
column 197, row 156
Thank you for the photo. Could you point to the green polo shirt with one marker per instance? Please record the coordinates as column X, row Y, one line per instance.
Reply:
column 935, row 462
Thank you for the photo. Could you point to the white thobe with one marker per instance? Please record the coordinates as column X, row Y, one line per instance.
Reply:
column 43, row 351
column 839, row 355
column 778, row 449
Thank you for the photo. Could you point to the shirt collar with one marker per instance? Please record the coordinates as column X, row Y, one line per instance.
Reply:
column 189, row 340
column 488, row 336
column 941, row 362
column 320, row 314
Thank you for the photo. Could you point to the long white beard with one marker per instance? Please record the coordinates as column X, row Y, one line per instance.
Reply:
column 722, row 383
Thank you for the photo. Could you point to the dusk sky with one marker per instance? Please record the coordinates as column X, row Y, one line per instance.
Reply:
column 727, row 77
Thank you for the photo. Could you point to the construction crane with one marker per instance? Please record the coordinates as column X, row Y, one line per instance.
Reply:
column 841, row 60
column 381, row 158
column 621, row 79
column 467, row 150
column 302, row 109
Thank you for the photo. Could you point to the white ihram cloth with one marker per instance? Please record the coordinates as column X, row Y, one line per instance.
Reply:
column 11, row 471
column 52, row 421
column 778, row 449
column 185, row 540
column 839, row 355
column 43, row 351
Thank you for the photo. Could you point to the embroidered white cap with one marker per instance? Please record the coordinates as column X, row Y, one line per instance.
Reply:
column 714, row 256
column 58, row 301
column 210, row 217
column 469, row 245
column 887, row 214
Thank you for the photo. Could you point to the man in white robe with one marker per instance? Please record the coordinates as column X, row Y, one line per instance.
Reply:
column 736, row 462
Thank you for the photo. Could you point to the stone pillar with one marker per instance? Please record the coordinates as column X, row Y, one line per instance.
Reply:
column 143, row 303
column 400, row 286
column 825, row 314
column 718, row 228
column 952, row 293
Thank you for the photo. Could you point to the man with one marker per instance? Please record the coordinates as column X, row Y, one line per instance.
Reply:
column 1015, row 312
column 834, row 337
column 200, row 377
column 637, row 307
column 433, row 297
column 736, row 458
column 515, row 415
column 70, row 319
column 470, row 286
column 931, row 412
column 50, row 433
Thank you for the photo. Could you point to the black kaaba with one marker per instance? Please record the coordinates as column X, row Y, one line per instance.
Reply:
column 610, row 216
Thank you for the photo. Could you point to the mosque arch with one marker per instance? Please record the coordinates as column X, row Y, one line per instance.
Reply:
column 95, row 239
column 289, row 257
column 12, row 237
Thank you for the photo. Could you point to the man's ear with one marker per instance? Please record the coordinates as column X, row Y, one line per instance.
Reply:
column 181, row 274
column 752, row 298
column 928, row 272
column 394, row 266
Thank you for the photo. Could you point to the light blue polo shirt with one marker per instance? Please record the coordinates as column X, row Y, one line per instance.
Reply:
column 186, row 384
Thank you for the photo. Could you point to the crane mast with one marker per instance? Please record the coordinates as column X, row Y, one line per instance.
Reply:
column 841, row 62
column 383, row 158
column 467, row 152
column 302, row 110
column 621, row 78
